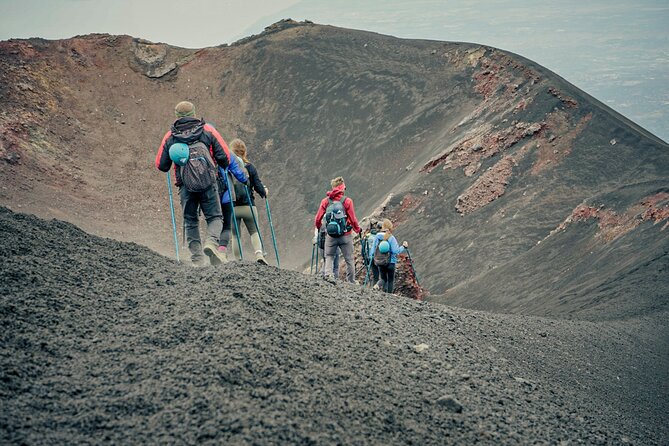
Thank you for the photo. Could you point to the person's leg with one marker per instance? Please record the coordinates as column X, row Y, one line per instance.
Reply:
column 335, row 269
column 375, row 272
column 346, row 246
column 241, row 214
column 390, row 282
column 189, row 208
column 246, row 213
column 321, row 260
column 233, row 244
column 255, row 236
column 227, row 222
column 330, row 248
column 211, row 208
column 383, row 277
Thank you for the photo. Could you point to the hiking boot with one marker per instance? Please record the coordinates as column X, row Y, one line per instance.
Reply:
column 261, row 258
column 329, row 278
column 200, row 263
column 376, row 287
column 216, row 257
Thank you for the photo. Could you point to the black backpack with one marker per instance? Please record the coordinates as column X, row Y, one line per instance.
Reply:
column 199, row 173
column 381, row 258
column 335, row 218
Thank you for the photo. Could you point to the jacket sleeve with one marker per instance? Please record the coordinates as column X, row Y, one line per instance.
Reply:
column 350, row 213
column 255, row 180
column 219, row 149
column 319, row 215
column 395, row 247
column 163, row 161
column 236, row 170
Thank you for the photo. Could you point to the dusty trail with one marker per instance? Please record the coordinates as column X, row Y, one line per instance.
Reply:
column 108, row 342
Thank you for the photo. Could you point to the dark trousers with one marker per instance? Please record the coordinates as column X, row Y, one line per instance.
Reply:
column 387, row 277
column 224, row 239
column 191, row 204
column 374, row 270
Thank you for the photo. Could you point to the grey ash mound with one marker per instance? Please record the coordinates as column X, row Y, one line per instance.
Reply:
column 107, row 342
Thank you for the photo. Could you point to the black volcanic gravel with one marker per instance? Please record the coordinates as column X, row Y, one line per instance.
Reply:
column 109, row 343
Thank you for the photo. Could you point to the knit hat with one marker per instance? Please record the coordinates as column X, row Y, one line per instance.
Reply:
column 183, row 109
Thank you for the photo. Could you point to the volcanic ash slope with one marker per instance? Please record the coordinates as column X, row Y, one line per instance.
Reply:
column 108, row 342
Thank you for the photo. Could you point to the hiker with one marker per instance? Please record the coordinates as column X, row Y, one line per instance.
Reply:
column 245, row 211
column 196, row 148
column 386, row 249
column 340, row 219
column 227, row 205
column 367, row 243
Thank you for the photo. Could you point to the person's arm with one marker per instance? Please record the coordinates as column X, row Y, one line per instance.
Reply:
column 395, row 247
column 255, row 180
column 163, row 161
column 237, row 171
column 219, row 149
column 319, row 215
column 350, row 212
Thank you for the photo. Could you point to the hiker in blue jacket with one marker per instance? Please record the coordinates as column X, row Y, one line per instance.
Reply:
column 246, row 212
column 226, row 205
column 386, row 260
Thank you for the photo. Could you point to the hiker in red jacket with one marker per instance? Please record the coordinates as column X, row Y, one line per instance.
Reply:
column 340, row 219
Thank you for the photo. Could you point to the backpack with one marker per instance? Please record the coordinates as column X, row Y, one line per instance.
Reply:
column 199, row 173
column 335, row 218
column 381, row 258
column 366, row 244
column 238, row 188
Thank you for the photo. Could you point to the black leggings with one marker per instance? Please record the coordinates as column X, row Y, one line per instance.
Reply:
column 227, row 222
column 387, row 277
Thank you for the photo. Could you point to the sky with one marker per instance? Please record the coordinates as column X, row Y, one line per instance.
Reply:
column 217, row 21
column 615, row 50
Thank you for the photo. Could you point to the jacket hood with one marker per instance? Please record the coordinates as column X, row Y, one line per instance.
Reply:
column 187, row 129
column 337, row 192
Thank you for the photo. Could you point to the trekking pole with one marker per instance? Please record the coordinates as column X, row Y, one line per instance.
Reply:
column 271, row 227
column 174, row 222
column 369, row 265
column 365, row 254
column 255, row 220
column 313, row 248
column 415, row 276
column 369, row 268
column 234, row 217
column 318, row 249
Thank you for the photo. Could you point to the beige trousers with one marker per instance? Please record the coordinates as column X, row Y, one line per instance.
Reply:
column 243, row 214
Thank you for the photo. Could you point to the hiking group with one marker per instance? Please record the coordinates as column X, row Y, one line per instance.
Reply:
column 334, row 223
column 214, row 181
column 220, row 183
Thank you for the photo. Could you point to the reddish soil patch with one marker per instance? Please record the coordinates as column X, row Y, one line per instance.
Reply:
column 488, row 187
column 556, row 141
column 613, row 225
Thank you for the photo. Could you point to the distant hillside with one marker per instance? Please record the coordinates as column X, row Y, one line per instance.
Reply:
column 517, row 191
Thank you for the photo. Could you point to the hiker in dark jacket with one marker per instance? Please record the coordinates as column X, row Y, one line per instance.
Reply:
column 244, row 211
column 345, row 241
column 367, row 242
column 189, row 129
